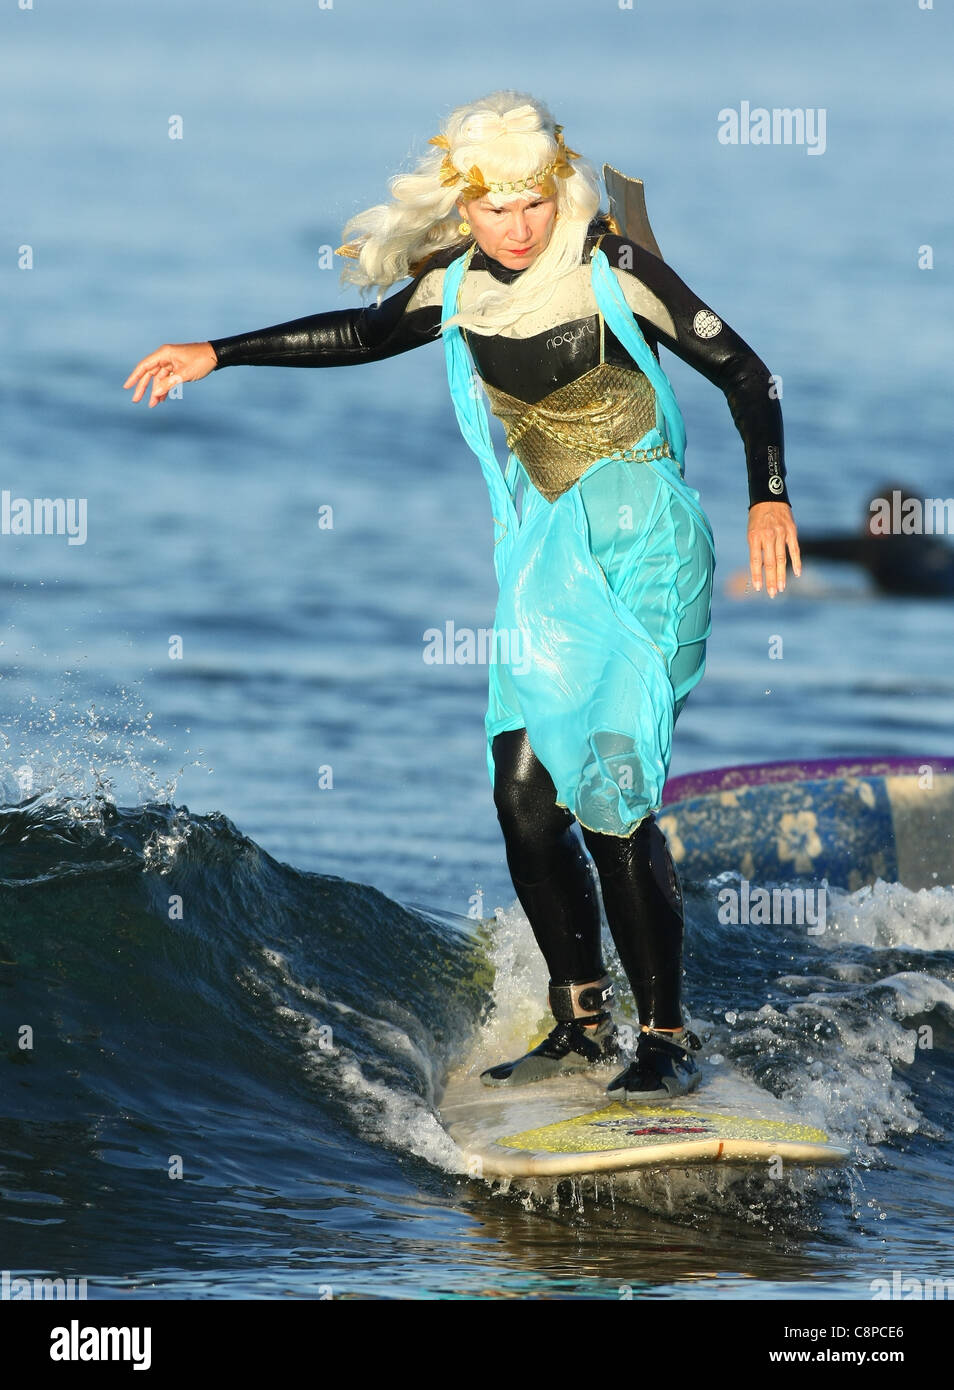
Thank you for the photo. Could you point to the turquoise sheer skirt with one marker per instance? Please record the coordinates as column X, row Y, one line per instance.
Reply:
column 601, row 624
column 600, row 633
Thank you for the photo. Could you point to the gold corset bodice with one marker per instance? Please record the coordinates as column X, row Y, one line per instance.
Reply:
column 605, row 411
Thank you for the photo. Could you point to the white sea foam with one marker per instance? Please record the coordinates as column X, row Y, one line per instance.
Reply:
column 519, row 1015
column 888, row 914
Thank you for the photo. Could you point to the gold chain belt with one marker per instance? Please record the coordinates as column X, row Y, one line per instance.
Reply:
column 658, row 451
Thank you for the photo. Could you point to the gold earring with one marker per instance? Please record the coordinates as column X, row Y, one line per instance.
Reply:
column 464, row 228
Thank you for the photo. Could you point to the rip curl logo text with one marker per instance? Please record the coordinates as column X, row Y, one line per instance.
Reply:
column 776, row 483
column 572, row 335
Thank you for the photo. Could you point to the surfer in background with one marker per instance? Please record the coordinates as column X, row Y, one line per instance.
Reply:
column 603, row 553
column 893, row 548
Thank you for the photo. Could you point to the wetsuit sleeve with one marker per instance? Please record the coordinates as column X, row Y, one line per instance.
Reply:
column 340, row 337
column 697, row 335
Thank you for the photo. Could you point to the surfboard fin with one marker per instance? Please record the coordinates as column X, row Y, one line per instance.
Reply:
column 627, row 201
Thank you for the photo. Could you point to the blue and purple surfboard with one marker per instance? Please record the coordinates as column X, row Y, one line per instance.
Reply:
column 848, row 820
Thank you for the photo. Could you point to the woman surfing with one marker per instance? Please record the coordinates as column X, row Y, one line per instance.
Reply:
column 603, row 553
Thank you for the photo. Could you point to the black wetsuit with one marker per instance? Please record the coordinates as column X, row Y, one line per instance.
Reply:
column 550, row 871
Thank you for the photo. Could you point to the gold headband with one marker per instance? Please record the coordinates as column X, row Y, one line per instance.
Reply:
column 476, row 185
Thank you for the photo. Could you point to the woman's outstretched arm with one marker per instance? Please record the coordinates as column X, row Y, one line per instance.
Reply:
column 337, row 338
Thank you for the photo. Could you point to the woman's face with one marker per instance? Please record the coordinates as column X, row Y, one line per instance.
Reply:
column 514, row 234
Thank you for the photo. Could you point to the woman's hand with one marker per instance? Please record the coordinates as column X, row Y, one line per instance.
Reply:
column 771, row 529
column 168, row 366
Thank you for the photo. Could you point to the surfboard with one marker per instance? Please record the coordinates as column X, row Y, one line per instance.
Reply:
column 848, row 820
column 567, row 1126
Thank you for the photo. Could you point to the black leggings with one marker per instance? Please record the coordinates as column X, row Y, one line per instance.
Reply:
column 554, row 883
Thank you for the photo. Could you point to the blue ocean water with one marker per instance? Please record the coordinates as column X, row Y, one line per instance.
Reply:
column 312, row 790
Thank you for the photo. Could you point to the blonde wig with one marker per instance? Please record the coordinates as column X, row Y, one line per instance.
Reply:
column 504, row 137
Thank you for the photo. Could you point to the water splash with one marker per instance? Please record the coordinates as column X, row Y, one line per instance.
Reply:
column 82, row 754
